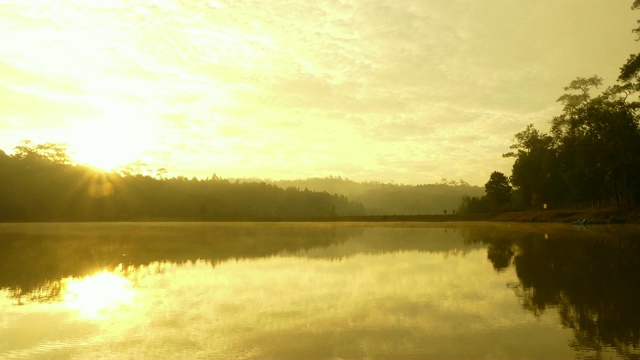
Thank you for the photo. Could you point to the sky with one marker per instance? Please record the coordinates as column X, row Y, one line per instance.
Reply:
column 403, row 91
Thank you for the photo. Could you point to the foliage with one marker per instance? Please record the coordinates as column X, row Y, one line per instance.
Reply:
column 38, row 183
column 534, row 171
column 393, row 199
column 498, row 190
column 592, row 153
column 42, row 153
column 498, row 194
column 474, row 205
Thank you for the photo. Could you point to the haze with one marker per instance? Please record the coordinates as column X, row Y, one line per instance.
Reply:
column 404, row 91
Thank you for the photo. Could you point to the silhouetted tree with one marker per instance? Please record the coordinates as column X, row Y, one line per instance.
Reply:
column 593, row 151
column 474, row 205
column 534, row 173
column 592, row 154
column 498, row 190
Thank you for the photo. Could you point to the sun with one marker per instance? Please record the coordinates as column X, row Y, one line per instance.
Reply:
column 109, row 142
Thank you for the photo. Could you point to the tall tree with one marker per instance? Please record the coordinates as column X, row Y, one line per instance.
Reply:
column 498, row 190
column 534, row 173
column 598, row 139
column 593, row 149
column 631, row 69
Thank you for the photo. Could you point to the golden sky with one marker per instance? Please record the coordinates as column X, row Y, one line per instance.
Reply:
column 409, row 91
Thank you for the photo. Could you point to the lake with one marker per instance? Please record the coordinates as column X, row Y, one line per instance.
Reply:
column 318, row 291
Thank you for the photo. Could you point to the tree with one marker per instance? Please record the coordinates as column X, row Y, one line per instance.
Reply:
column 583, row 86
column 592, row 153
column 534, row 174
column 629, row 71
column 474, row 205
column 48, row 152
column 498, row 190
column 38, row 184
column 593, row 150
column 598, row 142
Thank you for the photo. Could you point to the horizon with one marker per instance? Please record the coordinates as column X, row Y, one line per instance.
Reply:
column 169, row 175
column 406, row 92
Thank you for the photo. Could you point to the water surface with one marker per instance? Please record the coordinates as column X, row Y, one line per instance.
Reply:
column 318, row 291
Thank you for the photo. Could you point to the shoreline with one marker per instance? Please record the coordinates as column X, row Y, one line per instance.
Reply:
column 611, row 215
column 358, row 218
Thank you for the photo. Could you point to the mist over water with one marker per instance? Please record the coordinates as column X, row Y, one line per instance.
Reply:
column 317, row 291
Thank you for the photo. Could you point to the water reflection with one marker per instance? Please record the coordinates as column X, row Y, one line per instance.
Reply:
column 591, row 278
column 97, row 295
column 36, row 256
column 317, row 291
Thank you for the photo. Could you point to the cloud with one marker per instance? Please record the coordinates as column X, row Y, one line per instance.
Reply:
column 35, row 110
column 293, row 88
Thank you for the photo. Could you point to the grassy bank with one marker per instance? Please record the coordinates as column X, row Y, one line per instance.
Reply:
column 610, row 215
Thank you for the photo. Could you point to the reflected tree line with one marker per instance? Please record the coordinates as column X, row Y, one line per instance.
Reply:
column 39, row 183
column 34, row 258
column 591, row 280
column 591, row 155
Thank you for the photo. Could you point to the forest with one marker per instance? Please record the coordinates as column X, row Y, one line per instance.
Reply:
column 394, row 199
column 39, row 182
column 589, row 157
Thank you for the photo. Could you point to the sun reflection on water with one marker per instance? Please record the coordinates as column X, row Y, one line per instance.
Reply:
column 96, row 295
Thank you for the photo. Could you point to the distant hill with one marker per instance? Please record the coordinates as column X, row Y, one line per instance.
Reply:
column 392, row 199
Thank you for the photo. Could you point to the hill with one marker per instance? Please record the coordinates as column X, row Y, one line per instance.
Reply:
column 392, row 199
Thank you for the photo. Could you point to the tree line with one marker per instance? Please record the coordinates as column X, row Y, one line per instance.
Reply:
column 591, row 154
column 394, row 199
column 39, row 183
